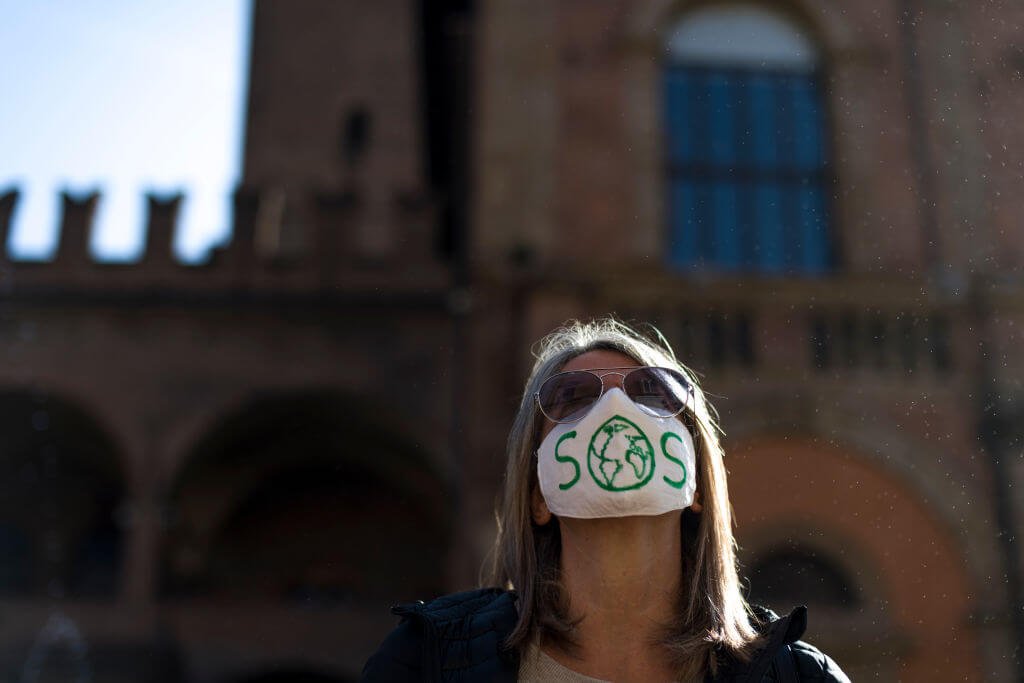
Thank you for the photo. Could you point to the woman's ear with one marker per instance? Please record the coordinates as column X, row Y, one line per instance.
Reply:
column 695, row 506
column 539, row 507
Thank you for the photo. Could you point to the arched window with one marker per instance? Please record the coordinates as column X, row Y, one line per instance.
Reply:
column 795, row 575
column 747, row 154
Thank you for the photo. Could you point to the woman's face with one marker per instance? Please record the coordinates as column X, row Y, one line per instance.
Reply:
column 597, row 360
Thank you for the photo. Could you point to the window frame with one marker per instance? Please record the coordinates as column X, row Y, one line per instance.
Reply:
column 721, row 174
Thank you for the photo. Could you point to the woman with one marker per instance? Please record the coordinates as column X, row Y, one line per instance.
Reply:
column 614, row 548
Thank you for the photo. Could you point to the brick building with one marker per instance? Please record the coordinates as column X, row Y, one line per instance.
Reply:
column 226, row 472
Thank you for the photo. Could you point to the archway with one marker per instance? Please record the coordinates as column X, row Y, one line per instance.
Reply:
column 792, row 573
column 874, row 537
column 60, row 491
column 304, row 498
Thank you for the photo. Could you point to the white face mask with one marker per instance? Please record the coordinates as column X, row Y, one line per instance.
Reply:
column 617, row 461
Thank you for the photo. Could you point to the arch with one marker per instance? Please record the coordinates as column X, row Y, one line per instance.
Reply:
column 830, row 31
column 61, row 492
column 839, row 552
column 795, row 572
column 305, row 496
column 741, row 34
column 896, row 451
column 922, row 598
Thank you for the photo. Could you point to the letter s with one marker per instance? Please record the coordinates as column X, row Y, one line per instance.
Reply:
column 664, row 439
column 567, row 458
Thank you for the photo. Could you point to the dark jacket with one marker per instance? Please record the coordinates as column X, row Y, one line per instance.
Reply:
column 458, row 638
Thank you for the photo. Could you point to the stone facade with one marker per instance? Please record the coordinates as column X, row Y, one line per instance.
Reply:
column 281, row 442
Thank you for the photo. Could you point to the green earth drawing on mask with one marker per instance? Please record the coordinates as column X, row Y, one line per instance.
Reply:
column 620, row 456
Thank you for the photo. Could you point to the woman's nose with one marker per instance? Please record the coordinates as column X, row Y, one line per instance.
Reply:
column 612, row 380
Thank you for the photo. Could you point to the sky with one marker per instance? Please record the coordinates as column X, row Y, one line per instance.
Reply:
column 125, row 97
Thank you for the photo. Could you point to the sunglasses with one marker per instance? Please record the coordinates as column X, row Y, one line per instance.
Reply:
column 567, row 396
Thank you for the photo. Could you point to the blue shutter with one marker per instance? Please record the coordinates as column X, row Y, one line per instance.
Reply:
column 815, row 230
column 765, row 133
column 726, row 248
column 683, row 214
column 723, row 121
column 807, row 152
column 769, row 227
column 747, row 167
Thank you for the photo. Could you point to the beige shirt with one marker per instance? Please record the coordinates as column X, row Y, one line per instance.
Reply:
column 537, row 667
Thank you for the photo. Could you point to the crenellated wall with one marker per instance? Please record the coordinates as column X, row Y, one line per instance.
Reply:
column 348, row 242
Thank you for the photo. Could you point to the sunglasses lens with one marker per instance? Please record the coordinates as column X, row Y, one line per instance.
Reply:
column 568, row 395
column 660, row 391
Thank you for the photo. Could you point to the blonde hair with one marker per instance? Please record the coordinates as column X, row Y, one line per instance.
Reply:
column 711, row 614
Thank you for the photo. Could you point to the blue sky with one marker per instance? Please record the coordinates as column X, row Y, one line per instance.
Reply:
column 124, row 96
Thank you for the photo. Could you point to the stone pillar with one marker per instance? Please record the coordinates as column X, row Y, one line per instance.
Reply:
column 141, row 523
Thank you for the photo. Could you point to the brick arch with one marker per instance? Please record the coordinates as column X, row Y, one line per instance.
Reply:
column 198, row 432
column 210, row 413
column 101, row 417
column 310, row 463
column 838, row 549
column 58, row 456
column 831, row 32
column 83, row 416
column 925, row 593
column 895, row 450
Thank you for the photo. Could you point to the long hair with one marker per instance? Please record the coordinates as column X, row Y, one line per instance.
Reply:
column 711, row 615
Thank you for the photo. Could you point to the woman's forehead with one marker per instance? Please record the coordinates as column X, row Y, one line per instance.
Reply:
column 599, row 359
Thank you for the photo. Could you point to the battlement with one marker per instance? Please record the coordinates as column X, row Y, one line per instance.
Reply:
column 279, row 239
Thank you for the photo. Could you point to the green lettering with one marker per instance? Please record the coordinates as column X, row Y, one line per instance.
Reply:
column 567, row 458
column 664, row 439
